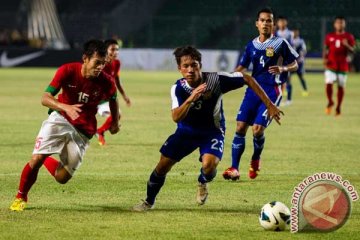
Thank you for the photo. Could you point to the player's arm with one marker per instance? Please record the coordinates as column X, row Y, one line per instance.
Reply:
column 325, row 54
column 292, row 67
column 48, row 100
column 120, row 87
column 273, row 111
column 180, row 112
column 346, row 43
column 114, row 109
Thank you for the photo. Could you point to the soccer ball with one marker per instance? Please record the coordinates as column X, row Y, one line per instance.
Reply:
column 274, row 216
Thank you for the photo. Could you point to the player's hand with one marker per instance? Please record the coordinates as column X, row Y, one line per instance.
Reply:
column 345, row 42
column 275, row 113
column 115, row 127
column 127, row 101
column 276, row 69
column 73, row 110
column 197, row 92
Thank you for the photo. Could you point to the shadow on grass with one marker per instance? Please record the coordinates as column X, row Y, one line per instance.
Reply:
column 160, row 209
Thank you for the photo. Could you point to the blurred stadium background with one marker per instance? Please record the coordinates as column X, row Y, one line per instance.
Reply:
column 144, row 27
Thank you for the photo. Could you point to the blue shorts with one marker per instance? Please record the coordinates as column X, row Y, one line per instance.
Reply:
column 253, row 110
column 184, row 142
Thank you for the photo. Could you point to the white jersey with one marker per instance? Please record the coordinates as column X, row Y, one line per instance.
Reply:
column 286, row 33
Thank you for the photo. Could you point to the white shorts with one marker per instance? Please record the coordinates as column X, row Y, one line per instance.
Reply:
column 104, row 109
column 58, row 136
column 332, row 77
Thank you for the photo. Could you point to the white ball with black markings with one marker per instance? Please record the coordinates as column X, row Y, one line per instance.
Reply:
column 274, row 216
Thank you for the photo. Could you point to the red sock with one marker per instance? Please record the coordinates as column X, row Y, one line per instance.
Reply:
column 51, row 165
column 329, row 92
column 340, row 96
column 27, row 179
column 105, row 126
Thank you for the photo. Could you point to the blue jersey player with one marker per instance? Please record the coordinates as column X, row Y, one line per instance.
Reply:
column 299, row 45
column 266, row 54
column 197, row 110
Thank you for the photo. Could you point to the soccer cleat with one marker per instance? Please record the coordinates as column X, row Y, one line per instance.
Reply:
column 254, row 168
column 202, row 193
column 143, row 207
column 101, row 138
column 18, row 205
column 305, row 93
column 231, row 173
column 329, row 108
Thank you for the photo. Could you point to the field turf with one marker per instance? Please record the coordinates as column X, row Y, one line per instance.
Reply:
column 96, row 203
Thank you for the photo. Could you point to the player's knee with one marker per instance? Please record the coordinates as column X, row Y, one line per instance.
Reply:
column 37, row 160
column 62, row 176
column 258, row 130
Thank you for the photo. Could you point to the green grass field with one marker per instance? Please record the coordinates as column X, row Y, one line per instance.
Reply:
column 96, row 203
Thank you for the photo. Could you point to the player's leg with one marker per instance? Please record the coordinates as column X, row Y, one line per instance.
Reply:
column 330, row 78
column 300, row 72
column 176, row 147
column 259, row 142
column 27, row 179
column 289, row 91
column 244, row 118
column 155, row 183
column 237, row 150
column 104, row 111
column 207, row 174
column 261, row 122
column 341, row 91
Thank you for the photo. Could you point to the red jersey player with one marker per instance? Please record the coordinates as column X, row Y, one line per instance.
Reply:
column 72, row 121
column 338, row 45
column 112, row 68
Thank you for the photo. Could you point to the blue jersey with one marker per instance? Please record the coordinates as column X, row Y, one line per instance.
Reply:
column 274, row 51
column 206, row 114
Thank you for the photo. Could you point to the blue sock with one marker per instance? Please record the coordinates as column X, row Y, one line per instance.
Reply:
column 238, row 147
column 154, row 185
column 204, row 178
column 289, row 90
column 258, row 146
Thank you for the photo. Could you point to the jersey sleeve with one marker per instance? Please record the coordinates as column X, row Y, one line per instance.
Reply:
column 117, row 69
column 176, row 100
column 351, row 40
column 230, row 81
column 245, row 60
column 58, row 80
column 288, row 52
column 327, row 42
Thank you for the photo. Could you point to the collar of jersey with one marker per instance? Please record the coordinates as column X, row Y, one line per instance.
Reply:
column 267, row 40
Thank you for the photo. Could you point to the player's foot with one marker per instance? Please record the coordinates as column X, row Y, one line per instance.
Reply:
column 337, row 112
column 254, row 168
column 328, row 108
column 286, row 103
column 305, row 93
column 202, row 193
column 231, row 173
column 143, row 207
column 101, row 138
column 18, row 205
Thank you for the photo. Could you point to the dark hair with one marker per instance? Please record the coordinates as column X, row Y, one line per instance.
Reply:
column 94, row 46
column 264, row 10
column 281, row 17
column 109, row 42
column 187, row 51
column 339, row 17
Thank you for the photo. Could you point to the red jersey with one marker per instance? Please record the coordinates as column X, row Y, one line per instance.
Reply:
column 337, row 52
column 79, row 90
column 113, row 68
